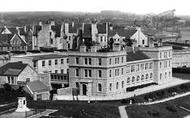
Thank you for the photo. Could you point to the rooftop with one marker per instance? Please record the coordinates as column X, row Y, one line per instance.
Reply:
column 12, row 69
column 135, row 56
column 37, row 86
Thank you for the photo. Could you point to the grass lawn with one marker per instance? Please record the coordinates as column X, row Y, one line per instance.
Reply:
column 78, row 109
column 168, row 109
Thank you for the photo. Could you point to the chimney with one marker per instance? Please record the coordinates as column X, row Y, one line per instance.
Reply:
column 40, row 23
column 116, row 47
column 73, row 24
column 82, row 48
column 94, row 48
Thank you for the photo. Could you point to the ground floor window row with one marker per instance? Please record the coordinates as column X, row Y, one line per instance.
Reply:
column 133, row 80
column 165, row 75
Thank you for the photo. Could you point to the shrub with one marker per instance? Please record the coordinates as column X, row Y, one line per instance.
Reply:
column 171, row 108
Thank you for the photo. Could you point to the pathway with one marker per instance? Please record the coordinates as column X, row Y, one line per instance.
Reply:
column 44, row 113
column 122, row 108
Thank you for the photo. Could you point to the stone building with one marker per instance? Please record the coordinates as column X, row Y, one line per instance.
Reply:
column 56, row 64
column 17, row 73
column 99, row 72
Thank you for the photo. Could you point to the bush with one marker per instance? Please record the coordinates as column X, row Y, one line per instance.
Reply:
column 171, row 108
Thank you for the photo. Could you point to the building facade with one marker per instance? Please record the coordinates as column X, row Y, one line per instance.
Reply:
column 104, row 73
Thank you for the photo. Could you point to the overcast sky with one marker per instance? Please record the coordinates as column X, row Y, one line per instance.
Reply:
column 133, row 6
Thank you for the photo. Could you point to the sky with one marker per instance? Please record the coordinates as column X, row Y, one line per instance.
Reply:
column 182, row 7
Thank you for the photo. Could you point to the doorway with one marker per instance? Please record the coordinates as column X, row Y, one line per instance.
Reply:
column 84, row 89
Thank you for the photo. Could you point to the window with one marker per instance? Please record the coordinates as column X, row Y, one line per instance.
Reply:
column 160, row 64
column 138, row 78
column 100, row 73
column 9, row 79
column 110, row 61
column 137, row 67
column 128, row 80
column 89, row 61
column 85, row 73
column 160, row 55
column 50, row 34
column 99, row 87
column 43, row 63
column 27, row 79
column 49, row 62
column 56, row 71
column 169, row 63
column 99, row 61
column 100, row 38
column 150, row 65
column 169, row 74
column 146, row 76
column 109, row 73
column 116, row 72
column 89, row 73
column 142, row 66
column 122, row 84
column 117, row 85
column 34, row 64
column 165, row 75
column 143, row 42
column 67, row 60
column 110, row 86
column 77, row 72
column 86, row 61
column 56, row 62
column 146, row 66
column 51, row 41
column 150, row 75
column 122, row 59
column 133, row 79
column 62, row 61
column 122, row 71
column 77, row 60
column 133, row 68
column 62, row 70
column 160, row 76
column 128, row 69
column 142, row 77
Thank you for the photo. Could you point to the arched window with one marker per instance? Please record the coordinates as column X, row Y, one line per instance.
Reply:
column 146, row 76
column 138, row 78
column 133, row 79
column 142, row 77
column 122, row 84
column 128, row 80
column 99, row 87
column 117, row 85
column 150, row 75
column 110, row 86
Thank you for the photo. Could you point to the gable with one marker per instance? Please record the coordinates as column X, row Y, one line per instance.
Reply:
column 17, row 41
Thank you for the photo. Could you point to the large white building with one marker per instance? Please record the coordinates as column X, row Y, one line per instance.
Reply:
column 109, row 72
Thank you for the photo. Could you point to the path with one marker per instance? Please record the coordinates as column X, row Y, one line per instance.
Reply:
column 122, row 108
column 44, row 113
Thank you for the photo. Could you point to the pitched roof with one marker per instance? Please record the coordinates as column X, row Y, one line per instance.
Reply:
column 37, row 86
column 12, row 69
column 57, row 30
column 127, row 33
column 87, row 31
column 73, row 28
column 101, row 28
column 5, row 39
column 46, row 56
column 135, row 56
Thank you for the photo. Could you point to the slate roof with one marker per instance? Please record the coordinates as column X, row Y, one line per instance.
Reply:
column 87, row 31
column 12, row 69
column 6, row 38
column 57, row 30
column 101, row 28
column 122, row 32
column 135, row 56
column 47, row 56
column 37, row 86
column 74, row 28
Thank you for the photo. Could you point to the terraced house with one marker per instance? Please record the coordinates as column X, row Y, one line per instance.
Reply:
column 99, row 72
